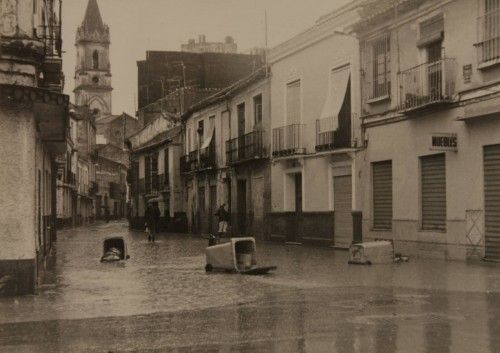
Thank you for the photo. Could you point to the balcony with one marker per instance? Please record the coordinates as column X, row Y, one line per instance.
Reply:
column 426, row 85
column 93, row 188
column 207, row 157
column 288, row 140
column 488, row 45
column 199, row 160
column 328, row 138
column 245, row 148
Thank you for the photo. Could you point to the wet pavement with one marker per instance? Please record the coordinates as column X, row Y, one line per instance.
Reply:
column 161, row 300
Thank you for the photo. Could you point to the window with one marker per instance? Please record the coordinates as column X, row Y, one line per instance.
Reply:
column 381, row 67
column 434, row 51
column 241, row 119
column 382, row 194
column 166, row 166
column 257, row 110
column 200, row 132
column 188, row 140
column 154, row 171
column 433, row 192
column 147, row 173
column 293, row 103
column 95, row 60
column 489, row 31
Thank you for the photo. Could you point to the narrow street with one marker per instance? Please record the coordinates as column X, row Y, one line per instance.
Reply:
column 161, row 300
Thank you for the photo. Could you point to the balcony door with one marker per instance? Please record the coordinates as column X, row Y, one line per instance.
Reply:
column 342, row 203
column 434, row 70
column 241, row 119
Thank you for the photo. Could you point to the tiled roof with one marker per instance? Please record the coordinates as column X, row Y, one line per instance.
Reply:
column 109, row 118
column 160, row 138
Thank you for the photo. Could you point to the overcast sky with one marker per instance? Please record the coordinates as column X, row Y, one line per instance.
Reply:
column 140, row 25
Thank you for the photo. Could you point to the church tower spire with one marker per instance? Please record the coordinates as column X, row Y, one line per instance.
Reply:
column 93, row 70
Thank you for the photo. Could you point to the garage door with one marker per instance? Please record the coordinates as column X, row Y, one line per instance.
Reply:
column 433, row 182
column 342, row 203
column 382, row 195
column 492, row 201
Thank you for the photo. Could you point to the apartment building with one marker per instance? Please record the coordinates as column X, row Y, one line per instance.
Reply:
column 34, row 127
column 430, row 109
column 316, row 134
column 226, row 161
column 154, row 175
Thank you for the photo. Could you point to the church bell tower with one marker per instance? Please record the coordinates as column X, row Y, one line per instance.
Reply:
column 93, row 70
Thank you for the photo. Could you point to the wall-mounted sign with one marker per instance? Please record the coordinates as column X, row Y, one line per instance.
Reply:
column 444, row 142
column 467, row 72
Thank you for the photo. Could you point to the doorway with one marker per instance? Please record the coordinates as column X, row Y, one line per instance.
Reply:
column 342, row 203
column 201, row 210
column 242, row 206
column 213, row 209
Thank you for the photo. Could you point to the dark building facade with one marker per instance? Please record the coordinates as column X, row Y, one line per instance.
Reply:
column 165, row 71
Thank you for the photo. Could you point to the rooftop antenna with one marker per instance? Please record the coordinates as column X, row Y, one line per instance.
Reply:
column 266, row 40
column 265, row 26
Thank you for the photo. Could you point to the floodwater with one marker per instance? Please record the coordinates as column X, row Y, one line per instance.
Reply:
column 161, row 300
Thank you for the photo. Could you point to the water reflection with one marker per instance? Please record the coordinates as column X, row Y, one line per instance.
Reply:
column 162, row 300
column 493, row 300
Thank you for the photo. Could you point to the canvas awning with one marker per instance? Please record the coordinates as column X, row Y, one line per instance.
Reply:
column 210, row 135
column 328, row 120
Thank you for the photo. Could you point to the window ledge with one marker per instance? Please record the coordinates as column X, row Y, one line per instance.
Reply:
column 379, row 99
column 425, row 230
column 488, row 64
column 380, row 229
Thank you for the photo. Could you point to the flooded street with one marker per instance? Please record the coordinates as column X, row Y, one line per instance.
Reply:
column 161, row 300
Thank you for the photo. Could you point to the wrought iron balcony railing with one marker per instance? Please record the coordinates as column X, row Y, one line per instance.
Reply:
column 427, row 84
column 328, row 138
column 201, row 159
column 244, row 148
column 93, row 188
column 207, row 157
column 288, row 140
